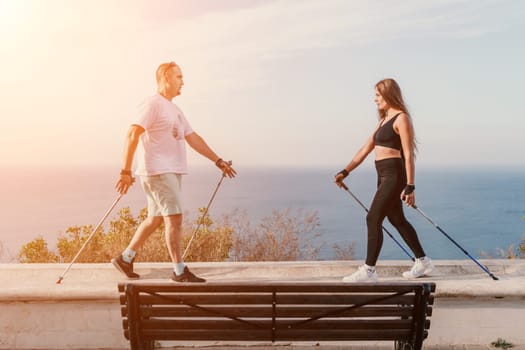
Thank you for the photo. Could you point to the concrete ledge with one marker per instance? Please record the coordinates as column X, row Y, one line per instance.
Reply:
column 84, row 313
column 454, row 278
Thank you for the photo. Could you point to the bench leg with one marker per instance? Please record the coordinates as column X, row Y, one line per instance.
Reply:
column 143, row 345
column 403, row 345
column 149, row 345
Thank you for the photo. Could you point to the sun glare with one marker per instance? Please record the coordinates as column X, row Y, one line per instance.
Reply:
column 17, row 23
column 11, row 13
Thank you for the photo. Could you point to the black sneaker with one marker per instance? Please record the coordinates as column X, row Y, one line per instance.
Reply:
column 187, row 276
column 124, row 267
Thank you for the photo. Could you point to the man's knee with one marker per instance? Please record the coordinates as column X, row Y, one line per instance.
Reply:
column 153, row 221
column 173, row 222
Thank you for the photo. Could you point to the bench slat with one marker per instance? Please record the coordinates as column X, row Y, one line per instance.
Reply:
column 280, row 311
column 281, row 287
column 248, row 299
column 211, row 324
column 282, row 335
column 174, row 324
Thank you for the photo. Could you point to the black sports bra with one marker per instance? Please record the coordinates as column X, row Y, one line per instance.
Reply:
column 386, row 136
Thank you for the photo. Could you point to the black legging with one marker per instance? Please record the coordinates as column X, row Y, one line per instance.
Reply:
column 391, row 180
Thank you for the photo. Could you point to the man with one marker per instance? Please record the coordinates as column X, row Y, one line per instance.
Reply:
column 163, row 131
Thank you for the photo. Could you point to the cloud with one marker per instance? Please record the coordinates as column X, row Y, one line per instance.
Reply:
column 83, row 62
column 286, row 27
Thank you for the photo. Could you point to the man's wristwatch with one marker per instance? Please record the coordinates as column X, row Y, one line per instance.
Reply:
column 343, row 172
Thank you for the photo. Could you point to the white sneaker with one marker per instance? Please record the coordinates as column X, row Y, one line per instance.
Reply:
column 422, row 267
column 363, row 274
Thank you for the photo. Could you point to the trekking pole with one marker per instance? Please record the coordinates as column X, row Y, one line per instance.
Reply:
column 205, row 212
column 484, row 268
column 384, row 229
column 61, row 277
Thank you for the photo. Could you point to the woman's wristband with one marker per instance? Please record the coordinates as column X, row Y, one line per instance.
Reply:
column 409, row 189
column 343, row 172
column 219, row 161
column 125, row 172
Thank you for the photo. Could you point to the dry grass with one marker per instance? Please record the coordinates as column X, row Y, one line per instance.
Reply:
column 282, row 236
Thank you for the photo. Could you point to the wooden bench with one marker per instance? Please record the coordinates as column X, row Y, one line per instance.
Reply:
column 276, row 311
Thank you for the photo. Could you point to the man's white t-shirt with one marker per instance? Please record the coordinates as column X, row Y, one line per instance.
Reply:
column 163, row 142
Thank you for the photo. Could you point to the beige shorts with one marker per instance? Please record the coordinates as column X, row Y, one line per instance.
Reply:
column 163, row 193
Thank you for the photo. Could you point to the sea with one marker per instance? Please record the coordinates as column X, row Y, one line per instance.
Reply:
column 482, row 210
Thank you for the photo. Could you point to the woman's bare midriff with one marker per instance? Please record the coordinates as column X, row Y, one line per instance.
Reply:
column 382, row 152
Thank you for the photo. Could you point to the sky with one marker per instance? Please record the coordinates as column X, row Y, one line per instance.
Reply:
column 273, row 83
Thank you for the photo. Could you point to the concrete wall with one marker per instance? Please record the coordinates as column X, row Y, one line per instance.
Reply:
column 56, row 324
column 83, row 312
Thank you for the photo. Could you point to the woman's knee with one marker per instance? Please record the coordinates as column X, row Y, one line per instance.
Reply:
column 373, row 219
column 397, row 221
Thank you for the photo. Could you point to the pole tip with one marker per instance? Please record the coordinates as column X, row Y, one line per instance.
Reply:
column 59, row 280
column 494, row 278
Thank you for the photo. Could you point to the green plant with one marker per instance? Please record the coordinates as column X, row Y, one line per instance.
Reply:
column 501, row 343
column 521, row 248
column 512, row 252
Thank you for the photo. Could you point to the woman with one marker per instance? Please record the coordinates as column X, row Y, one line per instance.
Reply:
column 393, row 143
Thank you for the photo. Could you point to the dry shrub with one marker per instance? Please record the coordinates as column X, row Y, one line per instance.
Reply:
column 279, row 237
column 282, row 236
column 344, row 253
column 36, row 251
column 211, row 242
column 500, row 253
column 521, row 249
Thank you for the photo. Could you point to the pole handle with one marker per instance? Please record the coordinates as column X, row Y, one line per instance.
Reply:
column 343, row 185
